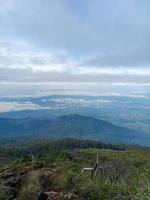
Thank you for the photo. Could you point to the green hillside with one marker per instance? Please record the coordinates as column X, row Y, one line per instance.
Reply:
column 46, row 170
column 71, row 126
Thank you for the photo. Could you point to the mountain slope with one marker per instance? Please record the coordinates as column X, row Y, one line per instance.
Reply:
column 90, row 128
column 70, row 126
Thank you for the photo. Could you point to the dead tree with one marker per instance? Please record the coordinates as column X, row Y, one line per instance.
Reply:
column 33, row 160
column 93, row 170
column 113, row 171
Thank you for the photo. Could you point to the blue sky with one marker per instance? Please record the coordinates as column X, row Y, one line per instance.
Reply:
column 75, row 41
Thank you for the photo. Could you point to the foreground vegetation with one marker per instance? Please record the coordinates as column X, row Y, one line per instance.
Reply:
column 125, row 171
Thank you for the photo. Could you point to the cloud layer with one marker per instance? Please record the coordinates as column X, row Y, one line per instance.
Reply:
column 61, row 40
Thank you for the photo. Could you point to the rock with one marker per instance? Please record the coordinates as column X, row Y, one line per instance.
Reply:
column 12, row 182
column 37, row 165
column 43, row 196
column 47, row 180
column 61, row 196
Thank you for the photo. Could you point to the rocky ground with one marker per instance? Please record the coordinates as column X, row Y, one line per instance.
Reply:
column 12, row 181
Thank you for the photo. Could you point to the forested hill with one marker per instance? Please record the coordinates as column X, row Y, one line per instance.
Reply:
column 70, row 126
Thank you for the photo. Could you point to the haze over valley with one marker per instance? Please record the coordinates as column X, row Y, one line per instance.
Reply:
column 123, row 105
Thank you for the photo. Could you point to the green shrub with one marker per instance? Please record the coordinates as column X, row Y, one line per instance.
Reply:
column 26, row 158
column 143, row 191
column 30, row 190
column 2, row 193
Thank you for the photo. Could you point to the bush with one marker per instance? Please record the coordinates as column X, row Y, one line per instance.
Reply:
column 30, row 190
column 98, row 191
column 143, row 192
column 2, row 193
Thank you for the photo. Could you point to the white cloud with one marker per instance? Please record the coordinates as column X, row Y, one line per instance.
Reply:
column 54, row 41
column 52, row 103
column 17, row 106
column 23, row 63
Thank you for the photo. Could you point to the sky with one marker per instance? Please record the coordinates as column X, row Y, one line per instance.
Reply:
column 75, row 41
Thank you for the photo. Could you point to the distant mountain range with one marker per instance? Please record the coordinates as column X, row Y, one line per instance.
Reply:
column 71, row 126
